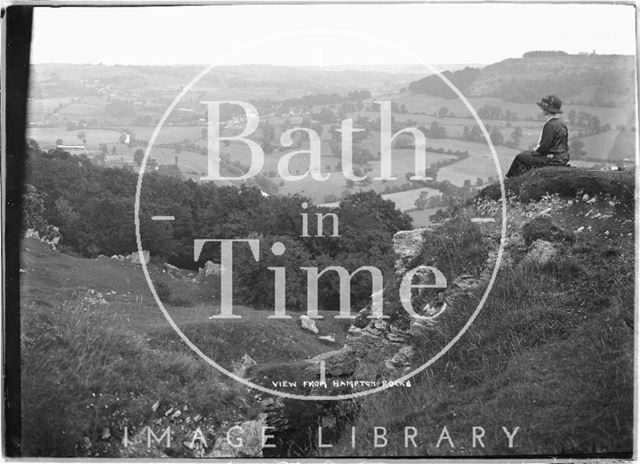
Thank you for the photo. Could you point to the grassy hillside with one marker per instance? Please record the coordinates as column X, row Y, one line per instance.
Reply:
column 98, row 355
column 602, row 80
column 552, row 350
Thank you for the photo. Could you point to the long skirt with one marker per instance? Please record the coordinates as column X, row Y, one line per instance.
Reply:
column 527, row 160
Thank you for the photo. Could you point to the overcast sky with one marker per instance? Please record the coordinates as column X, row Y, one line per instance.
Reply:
column 327, row 34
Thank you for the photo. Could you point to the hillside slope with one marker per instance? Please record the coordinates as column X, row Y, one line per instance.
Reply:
column 551, row 352
column 98, row 357
column 600, row 80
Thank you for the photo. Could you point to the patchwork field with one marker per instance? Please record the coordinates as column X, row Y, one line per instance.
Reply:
column 405, row 201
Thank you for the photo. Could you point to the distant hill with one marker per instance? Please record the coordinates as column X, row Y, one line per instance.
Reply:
column 72, row 80
column 600, row 80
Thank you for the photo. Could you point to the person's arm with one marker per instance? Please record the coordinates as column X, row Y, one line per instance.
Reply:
column 546, row 139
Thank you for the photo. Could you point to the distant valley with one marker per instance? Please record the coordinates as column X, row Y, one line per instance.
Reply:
column 109, row 113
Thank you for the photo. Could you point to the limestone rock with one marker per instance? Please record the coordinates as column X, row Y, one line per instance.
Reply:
column 541, row 252
column 328, row 338
column 402, row 359
column 419, row 326
column 241, row 367
column 210, row 269
column 399, row 337
column 51, row 236
column 309, row 324
column 170, row 267
column 135, row 257
column 251, row 435
column 407, row 245
column 31, row 233
column 466, row 283
column 276, row 414
column 338, row 363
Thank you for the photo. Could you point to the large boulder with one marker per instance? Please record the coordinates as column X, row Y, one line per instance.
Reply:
column 210, row 269
column 309, row 324
column 407, row 245
column 135, row 257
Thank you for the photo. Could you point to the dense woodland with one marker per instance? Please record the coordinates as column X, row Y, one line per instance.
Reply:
column 93, row 207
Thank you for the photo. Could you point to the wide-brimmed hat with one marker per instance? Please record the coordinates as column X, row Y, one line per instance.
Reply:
column 550, row 103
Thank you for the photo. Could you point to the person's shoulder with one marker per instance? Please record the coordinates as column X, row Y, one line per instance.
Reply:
column 557, row 122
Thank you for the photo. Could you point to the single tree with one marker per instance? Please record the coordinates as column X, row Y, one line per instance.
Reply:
column 138, row 156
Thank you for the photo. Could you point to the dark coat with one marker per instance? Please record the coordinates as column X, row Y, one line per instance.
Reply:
column 554, row 140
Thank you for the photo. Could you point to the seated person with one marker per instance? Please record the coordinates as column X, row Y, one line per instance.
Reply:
column 553, row 148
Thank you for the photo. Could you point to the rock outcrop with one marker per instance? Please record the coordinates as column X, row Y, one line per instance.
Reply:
column 309, row 324
column 136, row 259
column 210, row 269
column 241, row 367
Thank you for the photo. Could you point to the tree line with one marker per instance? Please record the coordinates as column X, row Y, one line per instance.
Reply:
column 93, row 207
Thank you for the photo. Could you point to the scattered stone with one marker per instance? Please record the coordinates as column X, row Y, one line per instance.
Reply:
column 419, row 326
column 402, row 359
column 514, row 240
column 399, row 337
column 115, row 257
column 309, row 324
column 541, row 252
column 92, row 298
column 542, row 228
column 482, row 220
column 434, row 311
column 51, row 236
column 250, row 432
column 585, row 197
column 355, row 331
column 329, row 338
column 466, row 283
column 580, row 229
column 592, row 201
column 242, row 367
column 31, row 233
column 155, row 405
